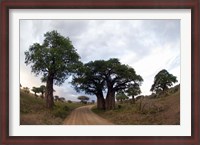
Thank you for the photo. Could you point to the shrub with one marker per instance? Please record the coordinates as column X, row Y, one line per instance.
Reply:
column 119, row 106
column 69, row 101
column 60, row 111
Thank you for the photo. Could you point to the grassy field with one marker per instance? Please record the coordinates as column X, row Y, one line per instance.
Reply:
column 162, row 110
column 33, row 111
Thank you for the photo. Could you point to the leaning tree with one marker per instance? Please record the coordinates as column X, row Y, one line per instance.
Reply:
column 55, row 59
column 162, row 81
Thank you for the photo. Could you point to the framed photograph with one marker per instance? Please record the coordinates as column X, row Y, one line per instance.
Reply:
column 100, row 72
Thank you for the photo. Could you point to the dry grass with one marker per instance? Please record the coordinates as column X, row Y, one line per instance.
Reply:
column 34, row 112
column 157, row 111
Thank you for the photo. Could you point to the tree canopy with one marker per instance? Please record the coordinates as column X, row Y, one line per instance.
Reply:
column 56, row 59
column 133, row 90
column 83, row 99
column 120, row 96
column 35, row 90
column 162, row 81
column 42, row 89
column 108, row 76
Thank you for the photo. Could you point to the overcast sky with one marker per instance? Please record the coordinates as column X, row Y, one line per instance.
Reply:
column 146, row 45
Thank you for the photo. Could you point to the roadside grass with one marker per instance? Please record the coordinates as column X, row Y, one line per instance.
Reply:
column 34, row 112
column 146, row 111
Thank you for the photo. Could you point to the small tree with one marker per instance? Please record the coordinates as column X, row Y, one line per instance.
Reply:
column 35, row 90
column 42, row 89
column 162, row 81
column 69, row 101
column 26, row 90
column 62, row 99
column 83, row 99
column 133, row 90
column 56, row 98
column 121, row 97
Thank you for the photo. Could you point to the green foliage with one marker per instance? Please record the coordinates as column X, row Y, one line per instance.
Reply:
column 86, row 80
column 55, row 56
column 133, row 90
column 35, row 90
column 121, row 97
column 42, row 89
column 162, row 81
column 57, row 98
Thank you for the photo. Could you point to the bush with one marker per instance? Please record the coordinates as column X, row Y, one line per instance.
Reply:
column 60, row 111
column 69, row 101
column 119, row 106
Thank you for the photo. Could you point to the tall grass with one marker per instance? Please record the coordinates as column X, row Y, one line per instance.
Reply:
column 34, row 112
column 157, row 111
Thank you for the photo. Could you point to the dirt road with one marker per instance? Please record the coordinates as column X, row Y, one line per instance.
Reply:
column 84, row 116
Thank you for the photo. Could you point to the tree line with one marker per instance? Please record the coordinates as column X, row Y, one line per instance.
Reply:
column 42, row 91
column 57, row 59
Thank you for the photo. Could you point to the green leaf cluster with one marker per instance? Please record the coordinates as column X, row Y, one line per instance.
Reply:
column 56, row 57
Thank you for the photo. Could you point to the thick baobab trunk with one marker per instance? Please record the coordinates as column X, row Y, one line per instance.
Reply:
column 100, row 100
column 49, row 92
column 110, row 100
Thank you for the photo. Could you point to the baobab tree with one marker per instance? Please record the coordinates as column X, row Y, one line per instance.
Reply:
column 56, row 59
column 86, row 80
column 162, row 81
column 110, row 76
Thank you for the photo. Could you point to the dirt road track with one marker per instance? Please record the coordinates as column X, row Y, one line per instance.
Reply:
column 84, row 116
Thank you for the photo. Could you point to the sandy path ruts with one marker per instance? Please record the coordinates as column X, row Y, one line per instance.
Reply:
column 84, row 116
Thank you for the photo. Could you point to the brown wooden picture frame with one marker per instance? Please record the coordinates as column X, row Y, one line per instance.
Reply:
column 6, row 5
